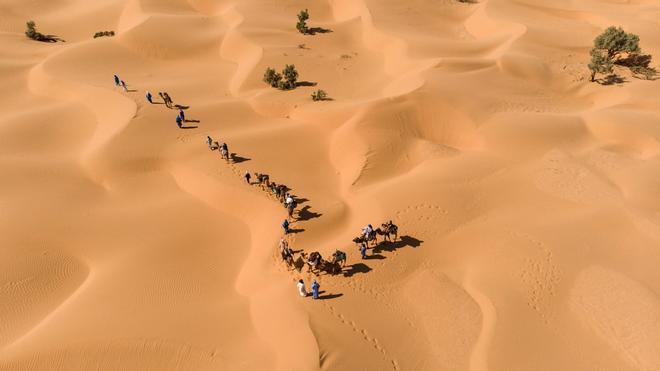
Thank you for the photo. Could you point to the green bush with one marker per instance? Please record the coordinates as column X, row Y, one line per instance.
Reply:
column 608, row 49
column 32, row 33
column 287, row 80
column 290, row 75
column 301, row 26
column 104, row 33
column 319, row 95
column 272, row 78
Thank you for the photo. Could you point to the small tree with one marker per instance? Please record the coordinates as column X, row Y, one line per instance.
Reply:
column 272, row 78
column 599, row 64
column 609, row 47
column 32, row 33
column 301, row 26
column 290, row 76
column 319, row 95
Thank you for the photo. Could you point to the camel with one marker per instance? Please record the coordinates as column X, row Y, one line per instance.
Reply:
column 287, row 256
column 224, row 154
column 339, row 257
column 263, row 180
column 316, row 262
column 291, row 208
column 388, row 229
column 373, row 236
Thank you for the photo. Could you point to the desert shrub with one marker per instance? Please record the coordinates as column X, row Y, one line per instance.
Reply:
column 272, row 77
column 301, row 26
column 287, row 80
column 319, row 95
column 104, row 33
column 609, row 47
column 32, row 33
column 290, row 75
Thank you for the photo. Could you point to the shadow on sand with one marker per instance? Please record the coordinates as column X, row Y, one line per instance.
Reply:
column 356, row 268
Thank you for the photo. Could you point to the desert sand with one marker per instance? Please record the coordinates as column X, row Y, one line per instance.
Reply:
column 527, row 197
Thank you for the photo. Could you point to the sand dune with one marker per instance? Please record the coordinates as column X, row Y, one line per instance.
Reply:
column 526, row 196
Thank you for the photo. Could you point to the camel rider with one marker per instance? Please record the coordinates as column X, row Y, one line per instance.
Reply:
column 338, row 256
column 289, row 200
column 224, row 147
column 314, row 259
column 367, row 231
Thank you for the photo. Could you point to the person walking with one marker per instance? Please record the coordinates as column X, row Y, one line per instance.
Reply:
column 117, row 80
column 168, row 100
column 209, row 141
column 285, row 225
column 149, row 98
column 363, row 249
column 182, row 114
column 315, row 289
column 179, row 123
column 301, row 288
column 123, row 85
column 247, row 177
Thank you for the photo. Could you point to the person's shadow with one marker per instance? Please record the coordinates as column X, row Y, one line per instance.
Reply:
column 329, row 296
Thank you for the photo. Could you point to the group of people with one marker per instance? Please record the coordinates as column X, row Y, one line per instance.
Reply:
column 222, row 148
column 281, row 192
column 119, row 82
column 303, row 292
column 181, row 116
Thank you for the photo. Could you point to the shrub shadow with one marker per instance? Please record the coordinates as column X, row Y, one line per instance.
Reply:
column 315, row 30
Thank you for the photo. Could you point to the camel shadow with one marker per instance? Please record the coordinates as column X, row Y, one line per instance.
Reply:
column 238, row 159
column 356, row 268
column 374, row 256
column 305, row 214
column 300, row 200
column 402, row 242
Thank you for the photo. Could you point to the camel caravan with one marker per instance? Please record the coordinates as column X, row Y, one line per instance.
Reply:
column 315, row 263
column 370, row 235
